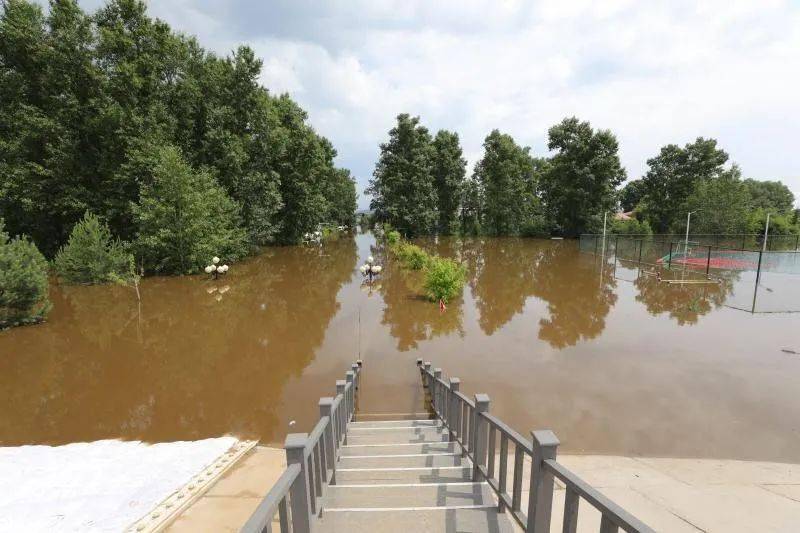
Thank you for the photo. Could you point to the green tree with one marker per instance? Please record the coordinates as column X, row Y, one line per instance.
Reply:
column 631, row 194
column 23, row 281
column 91, row 255
column 672, row 177
column 184, row 218
column 772, row 196
column 449, row 169
column 580, row 183
column 342, row 197
column 402, row 188
column 722, row 204
column 509, row 178
column 471, row 207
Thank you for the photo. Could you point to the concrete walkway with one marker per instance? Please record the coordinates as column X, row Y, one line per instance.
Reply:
column 674, row 495
column 690, row 495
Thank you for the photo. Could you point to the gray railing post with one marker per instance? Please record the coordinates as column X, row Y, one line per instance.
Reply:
column 427, row 379
column 326, row 409
column 437, row 391
column 479, row 435
column 341, row 415
column 295, row 447
column 455, row 422
column 350, row 378
column 545, row 445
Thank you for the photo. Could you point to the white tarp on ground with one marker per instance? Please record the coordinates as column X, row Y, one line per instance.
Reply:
column 96, row 486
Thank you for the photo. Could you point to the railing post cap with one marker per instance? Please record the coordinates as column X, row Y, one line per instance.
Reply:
column 354, row 366
column 326, row 400
column 481, row 398
column 419, row 361
column 455, row 381
column 427, row 364
column 360, row 363
column 437, row 371
column 295, row 440
column 544, row 438
column 340, row 383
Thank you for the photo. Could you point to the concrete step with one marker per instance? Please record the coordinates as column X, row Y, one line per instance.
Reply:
column 361, row 476
column 403, row 460
column 440, row 446
column 388, row 496
column 395, row 436
column 394, row 423
column 435, row 521
column 367, row 417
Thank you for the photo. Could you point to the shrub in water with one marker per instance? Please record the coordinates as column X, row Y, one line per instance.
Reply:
column 92, row 256
column 444, row 279
column 392, row 237
column 412, row 256
column 23, row 282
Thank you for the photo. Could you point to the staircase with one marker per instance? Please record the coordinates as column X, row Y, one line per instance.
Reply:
column 454, row 468
column 406, row 476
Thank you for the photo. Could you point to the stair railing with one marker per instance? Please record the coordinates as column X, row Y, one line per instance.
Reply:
column 469, row 423
column 311, row 464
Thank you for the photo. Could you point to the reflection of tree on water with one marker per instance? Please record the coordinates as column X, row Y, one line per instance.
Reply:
column 412, row 318
column 201, row 367
column 501, row 274
column 685, row 303
column 578, row 296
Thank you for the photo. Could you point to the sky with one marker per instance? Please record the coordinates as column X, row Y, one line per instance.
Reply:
column 654, row 72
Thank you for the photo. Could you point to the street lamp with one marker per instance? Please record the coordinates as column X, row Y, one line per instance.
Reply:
column 688, row 222
column 215, row 269
column 369, row 269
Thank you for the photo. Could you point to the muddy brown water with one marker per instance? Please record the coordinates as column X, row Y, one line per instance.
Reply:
column 612, row 361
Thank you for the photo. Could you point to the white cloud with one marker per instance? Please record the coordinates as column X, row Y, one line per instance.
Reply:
column 653, row 72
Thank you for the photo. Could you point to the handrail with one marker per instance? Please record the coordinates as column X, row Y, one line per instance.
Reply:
column 619, row 516
column 470, row 424
column 311, row 463
column 275, row 499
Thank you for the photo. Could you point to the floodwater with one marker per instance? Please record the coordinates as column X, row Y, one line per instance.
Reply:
column 612, row 360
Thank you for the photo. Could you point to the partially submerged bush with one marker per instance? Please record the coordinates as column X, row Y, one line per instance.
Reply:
column 444, row 279
column 23, row 282
column 630, row 227
column 392, row 237
column 411, row 255
column 92, row 256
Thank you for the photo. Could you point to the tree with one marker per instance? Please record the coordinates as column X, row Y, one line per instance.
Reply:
column 23, row 281
column 342, row 198
column 771, row 196
column 672, row 177
column 402, row 188
column 631, row 194
column 722, row 204
column 471, row 207
column 508, row 178
column 184, row 218
column 579, row 185
column 449, row 169
column 91, row 255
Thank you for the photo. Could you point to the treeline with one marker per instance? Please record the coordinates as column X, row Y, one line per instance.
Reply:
column 420, row 186
column 181, row 153
column 699, row 178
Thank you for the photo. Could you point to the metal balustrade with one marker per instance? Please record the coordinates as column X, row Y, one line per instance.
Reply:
column 469, row 423
column 311, row 464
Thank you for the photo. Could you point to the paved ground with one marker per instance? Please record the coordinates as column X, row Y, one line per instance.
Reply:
column 680, row 495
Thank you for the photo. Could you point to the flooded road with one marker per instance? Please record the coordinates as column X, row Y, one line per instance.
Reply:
column 612, row 361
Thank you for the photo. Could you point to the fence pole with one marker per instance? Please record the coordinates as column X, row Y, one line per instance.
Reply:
column 455, row 384
column 326, row 409
column 797, row 242
column 669, row 261
column 341, row 416
column 295, row 446
column 708, row 261
column 351, row 406
column 545, row 445
column 437, row 393
column 641, row 245
column 479, row 435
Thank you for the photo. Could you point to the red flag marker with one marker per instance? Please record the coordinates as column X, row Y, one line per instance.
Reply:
column 442, row 307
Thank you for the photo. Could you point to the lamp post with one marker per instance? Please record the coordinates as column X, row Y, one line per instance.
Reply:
column 369, row 269
column 766, row 236
column 215, row 269
column 688, row 222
